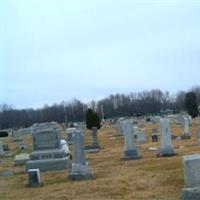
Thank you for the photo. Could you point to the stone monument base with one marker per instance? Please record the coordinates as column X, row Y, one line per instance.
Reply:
column 167, row 152
column 93, row 148
column 52, row 159
column 80, row 172
column 131, row 155
column 190, row 193
column 21, row 159
column 49, row 164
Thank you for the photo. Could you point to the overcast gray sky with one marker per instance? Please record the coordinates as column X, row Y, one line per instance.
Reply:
column 56, row 50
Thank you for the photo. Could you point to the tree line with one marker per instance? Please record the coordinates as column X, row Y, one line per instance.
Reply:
column 151, row 102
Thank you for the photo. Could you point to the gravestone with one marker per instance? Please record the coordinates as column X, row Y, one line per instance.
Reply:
column 70, row 132
column 119, row 127
column 154, row 135
column 2, row 153
column 141, row 137
column 47, row 152
column 135, row 132
column 166, row 148
column 34, row 178
column 80, row 169
column 95, row 141
column 192, row 177
column 131, row 151
column 95, row 147
column 21, row 159
column 186, row 132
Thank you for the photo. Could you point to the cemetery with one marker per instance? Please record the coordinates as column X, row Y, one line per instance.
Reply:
column 99, row 100
column 132, row 166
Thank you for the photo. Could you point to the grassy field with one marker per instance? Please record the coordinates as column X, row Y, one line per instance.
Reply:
column 150, row 178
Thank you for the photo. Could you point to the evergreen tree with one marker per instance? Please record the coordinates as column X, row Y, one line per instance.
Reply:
column 92, row 119
column 191, row 104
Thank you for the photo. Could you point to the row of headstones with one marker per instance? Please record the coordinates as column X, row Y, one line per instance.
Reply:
column 140, row 136
column 131, row 151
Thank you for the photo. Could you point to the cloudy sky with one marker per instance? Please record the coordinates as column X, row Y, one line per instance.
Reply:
column 56, row 50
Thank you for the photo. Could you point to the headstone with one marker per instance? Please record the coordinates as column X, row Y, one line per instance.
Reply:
column 135, row 132
column 141, row 137
column 95, row 141
column 95, row 147
column 70, row 132
column 34, row 178
column 80, row 169
column 2, row 153
column 47, row 151
column 166, row 148
column 131, row 151
column 192, row 177
column 186, row 126
column 119, row 127
column 21, row 159
column 154, row 135
column 186, row 133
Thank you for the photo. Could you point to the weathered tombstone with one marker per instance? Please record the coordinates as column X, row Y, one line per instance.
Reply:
column 95, row 147
column 95, row 141
column 166, row 148
column 34, row 178
column 131, row 151
column 180, row 119
column 80, row 169
column 119, row 127
column 70, row 132
column 47, row 152
column 192, row 177
column 2, row 153
column 186, row 132
column 141, row 137
column 154, row 135
column 135, row 132
column 21, row 159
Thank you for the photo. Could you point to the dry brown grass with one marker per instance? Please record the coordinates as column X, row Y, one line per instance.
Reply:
column 150, row 178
